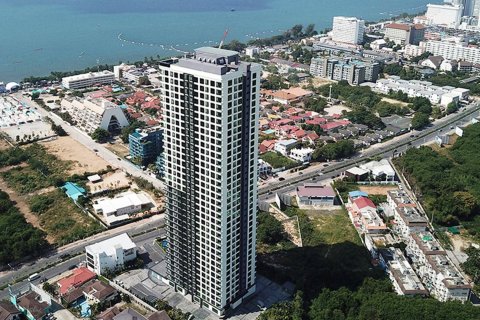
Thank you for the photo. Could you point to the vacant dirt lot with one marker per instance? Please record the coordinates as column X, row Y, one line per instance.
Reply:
column 4, row 145
column 377, row 189
column 389, row 100
column 83, row 159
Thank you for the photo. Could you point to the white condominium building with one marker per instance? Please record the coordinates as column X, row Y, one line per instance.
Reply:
column 110, row 254
column 348, row 30
column 444, row 14
column 452, row 50
column 86, row 80
column 90, row 114
column 210, row 110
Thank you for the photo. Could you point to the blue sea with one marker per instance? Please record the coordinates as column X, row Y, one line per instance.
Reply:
column 40, row 36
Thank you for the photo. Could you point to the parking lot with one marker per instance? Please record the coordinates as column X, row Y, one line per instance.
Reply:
column 145, row 284
column 21, row 122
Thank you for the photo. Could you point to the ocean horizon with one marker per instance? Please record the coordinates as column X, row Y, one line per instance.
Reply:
column 41, row 36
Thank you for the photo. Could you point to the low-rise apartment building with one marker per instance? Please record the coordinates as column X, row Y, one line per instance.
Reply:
column 90, row 114
column 437, row 272
column 351, row 70
column 408, row 220
column 418, row 88
column 110, row 254
column 145, row 145
column 86, row 80
column 405, row 280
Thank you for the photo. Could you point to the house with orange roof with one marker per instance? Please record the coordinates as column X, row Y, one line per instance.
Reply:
column 78, row 277
column 267, row 145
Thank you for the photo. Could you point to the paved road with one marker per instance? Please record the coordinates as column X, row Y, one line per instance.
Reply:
column 383, row 150
column 98, row 148
column 144, row 240
column 136, row 228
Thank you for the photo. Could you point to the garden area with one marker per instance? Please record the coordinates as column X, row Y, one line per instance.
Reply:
column 277, row 160
column 33, row 176
column 64, row 228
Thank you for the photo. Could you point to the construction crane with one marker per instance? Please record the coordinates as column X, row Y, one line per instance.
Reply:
column 223, row 39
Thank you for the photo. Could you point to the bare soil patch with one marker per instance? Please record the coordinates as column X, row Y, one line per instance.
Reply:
column 389, row 100
column 83, row 159
column 377, row 189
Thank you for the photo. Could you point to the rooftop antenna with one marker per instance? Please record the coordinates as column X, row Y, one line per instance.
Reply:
column 223, row 39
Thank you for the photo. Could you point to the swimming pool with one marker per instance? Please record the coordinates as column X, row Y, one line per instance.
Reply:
column 85, row 311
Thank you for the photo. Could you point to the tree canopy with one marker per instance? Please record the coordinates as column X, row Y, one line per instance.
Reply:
column 18, row 238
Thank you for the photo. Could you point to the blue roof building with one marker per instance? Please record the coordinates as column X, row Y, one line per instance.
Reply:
column 357, row 194
column 73, row 190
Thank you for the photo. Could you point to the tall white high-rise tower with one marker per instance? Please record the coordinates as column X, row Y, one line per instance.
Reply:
column 210, row 112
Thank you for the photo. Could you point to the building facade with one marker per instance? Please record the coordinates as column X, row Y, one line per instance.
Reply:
column 110, row 254
column 351, row 70
column 348, row 30
column 452, row 50
column 447, row 15
column 211, row 106
column 88, row 80
column 145, row 145
column 404, row 34
column 90, row 114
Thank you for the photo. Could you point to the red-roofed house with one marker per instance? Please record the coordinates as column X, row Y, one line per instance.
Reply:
column 279, row 123
column 152, row 104
column 267, row 145
column 299, row 134
column 285, row 130
column 363, row 213
column 316, row 121
column 334, row 125
column 310, row 137
column 137, row 98
column 75, row 280
column 296, row 119
column 363, row 204
column 293, row 111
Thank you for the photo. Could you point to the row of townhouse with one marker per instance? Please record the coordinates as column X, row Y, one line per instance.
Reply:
column 439, row 275
column 417, row 88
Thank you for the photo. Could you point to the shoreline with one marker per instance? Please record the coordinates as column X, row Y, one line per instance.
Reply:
column 57, row 75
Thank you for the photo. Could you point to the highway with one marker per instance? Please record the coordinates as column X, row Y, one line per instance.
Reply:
column 143, row 235
column 90, row 144
column 320, row 172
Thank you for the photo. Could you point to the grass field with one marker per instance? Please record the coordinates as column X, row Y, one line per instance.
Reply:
column 62, row 219
column 335, row 228
column 277, row 160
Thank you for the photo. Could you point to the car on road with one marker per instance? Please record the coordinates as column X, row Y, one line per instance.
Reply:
column 73, row 266
column 95, row 150
column 325, row 164
column 300, row 172
column 119, row 159
column 281, row 179
column 261, row 305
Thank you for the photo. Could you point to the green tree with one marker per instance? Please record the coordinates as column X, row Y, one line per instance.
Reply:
column 452, row 107
column 35, row 95
column 420, row 120
column 100, row 135
column 144, row 81
column 269, row 230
